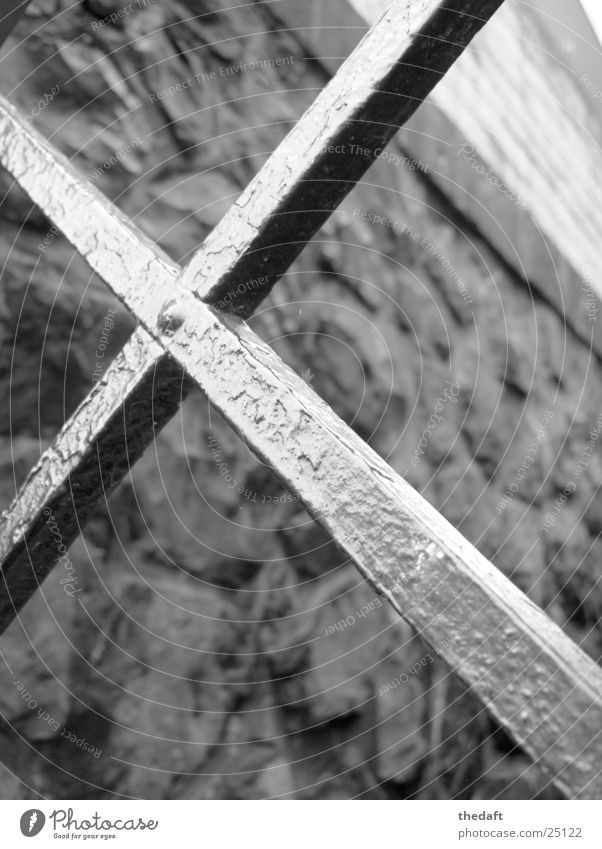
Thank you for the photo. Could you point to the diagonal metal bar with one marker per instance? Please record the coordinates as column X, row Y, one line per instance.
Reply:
column 532, row 677
column 407, row 53
column 376, row 90
column 96, row 448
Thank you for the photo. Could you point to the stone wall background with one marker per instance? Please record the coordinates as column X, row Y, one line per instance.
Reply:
column 201, row 658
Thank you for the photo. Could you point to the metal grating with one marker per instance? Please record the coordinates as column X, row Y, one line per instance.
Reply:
column 529, row 674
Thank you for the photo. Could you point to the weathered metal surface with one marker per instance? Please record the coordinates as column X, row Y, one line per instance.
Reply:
column 378, row 88
column 531, row 676
column 96, row 448
column 513, row 223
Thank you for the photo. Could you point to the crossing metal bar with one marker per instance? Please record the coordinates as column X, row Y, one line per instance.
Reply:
column 407, row 53
column 382, row 83
column 531, row 676
column 96, row 448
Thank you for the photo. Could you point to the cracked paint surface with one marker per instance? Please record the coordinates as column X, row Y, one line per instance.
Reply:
column 416, row 559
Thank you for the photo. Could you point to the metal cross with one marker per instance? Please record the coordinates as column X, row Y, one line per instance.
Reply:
column 529, row 674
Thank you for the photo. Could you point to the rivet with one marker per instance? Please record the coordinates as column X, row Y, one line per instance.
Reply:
column 171, row 316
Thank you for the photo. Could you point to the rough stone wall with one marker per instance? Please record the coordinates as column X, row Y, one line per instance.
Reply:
column 219, row 646
column 520, row 105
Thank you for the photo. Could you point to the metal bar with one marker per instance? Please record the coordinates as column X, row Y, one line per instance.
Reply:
column 382, row 83
column 532, row 677
column 346, row 113
column 140, row 392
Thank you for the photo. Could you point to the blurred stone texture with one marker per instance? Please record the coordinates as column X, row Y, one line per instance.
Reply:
column 199, row 656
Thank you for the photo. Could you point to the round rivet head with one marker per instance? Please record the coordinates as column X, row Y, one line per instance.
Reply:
column 171, row 316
